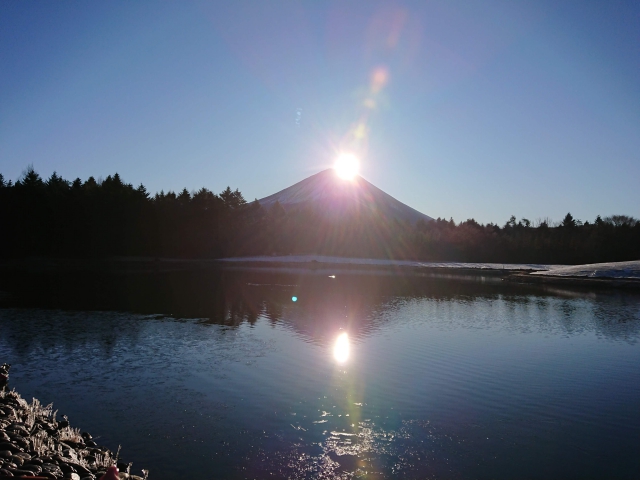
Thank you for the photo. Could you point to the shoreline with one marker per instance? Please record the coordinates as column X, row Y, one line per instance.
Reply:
column 33, row 444
column 306, row 262
column 600, row 282
column 532, row 274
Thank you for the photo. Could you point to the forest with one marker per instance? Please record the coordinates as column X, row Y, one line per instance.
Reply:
column 58, row 218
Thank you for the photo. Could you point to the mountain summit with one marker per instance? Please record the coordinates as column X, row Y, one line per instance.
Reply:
column 327, row 192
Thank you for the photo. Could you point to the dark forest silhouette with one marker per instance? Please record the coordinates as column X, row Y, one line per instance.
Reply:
column 76, row 219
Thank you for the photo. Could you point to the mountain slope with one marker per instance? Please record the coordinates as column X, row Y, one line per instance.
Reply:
column 332, row 195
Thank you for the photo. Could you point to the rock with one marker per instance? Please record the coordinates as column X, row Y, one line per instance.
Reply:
column 74, row 476
column 10, row 446
column 11, row 412
column 32, row 468
column 50, row 476
column 52, row 469
column 4, row 368
column 81, row 470
column 19, row 429
column 5, row 473
column 22, row 473
column 5, row 454
column 20, row 441
column 66, row 468
column 71, row 444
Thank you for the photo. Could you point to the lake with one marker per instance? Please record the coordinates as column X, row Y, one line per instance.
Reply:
column 312, row 374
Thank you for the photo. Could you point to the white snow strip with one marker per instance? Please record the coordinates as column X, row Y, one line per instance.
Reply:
column 597, row 270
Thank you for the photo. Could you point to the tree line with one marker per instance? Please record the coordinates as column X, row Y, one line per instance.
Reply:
column 55, row 217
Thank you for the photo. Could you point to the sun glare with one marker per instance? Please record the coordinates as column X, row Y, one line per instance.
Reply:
column 341, row 348
column 346, row 166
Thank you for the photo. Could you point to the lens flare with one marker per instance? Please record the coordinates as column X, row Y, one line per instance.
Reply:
column 346, row 166
column 341, row 348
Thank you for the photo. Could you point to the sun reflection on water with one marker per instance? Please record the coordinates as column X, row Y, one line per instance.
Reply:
column 341, row 348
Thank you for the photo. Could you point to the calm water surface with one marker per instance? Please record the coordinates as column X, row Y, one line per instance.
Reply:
column 222, row 374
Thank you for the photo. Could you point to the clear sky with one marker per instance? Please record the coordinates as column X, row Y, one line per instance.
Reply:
column 459, row 109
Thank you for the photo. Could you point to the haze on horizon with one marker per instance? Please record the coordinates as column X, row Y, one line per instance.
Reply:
column 459, row 110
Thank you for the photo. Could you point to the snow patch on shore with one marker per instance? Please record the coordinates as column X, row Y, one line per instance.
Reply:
column 597, row 270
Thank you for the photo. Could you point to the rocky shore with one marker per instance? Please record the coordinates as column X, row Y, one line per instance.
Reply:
column 35, row 445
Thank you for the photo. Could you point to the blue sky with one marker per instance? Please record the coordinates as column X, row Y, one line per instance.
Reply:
column 459, row 109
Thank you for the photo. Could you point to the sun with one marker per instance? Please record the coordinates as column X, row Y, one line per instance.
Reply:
column 346, row 166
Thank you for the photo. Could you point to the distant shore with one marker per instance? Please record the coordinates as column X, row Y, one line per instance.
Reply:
column 623, row 275
column 305, row 262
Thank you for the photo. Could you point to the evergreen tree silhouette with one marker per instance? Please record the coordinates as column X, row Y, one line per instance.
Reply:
column 102, row 218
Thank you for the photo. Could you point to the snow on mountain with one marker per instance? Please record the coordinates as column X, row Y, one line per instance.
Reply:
column 328, row 192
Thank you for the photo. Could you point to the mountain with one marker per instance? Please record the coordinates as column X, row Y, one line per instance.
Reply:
column 333, row 195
